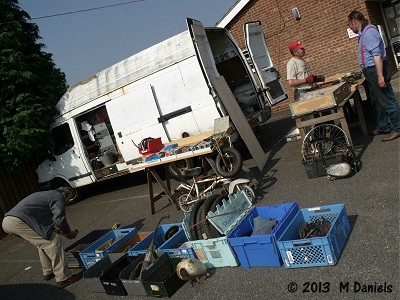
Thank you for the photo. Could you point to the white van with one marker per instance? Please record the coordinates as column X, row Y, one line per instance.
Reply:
column 163, row 91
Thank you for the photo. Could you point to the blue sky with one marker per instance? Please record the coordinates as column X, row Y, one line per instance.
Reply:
column 84, row 43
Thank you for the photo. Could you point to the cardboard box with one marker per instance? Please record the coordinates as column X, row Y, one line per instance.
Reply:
column 321, row 99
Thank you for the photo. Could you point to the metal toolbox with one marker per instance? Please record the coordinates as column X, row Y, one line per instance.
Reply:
column 320, row 99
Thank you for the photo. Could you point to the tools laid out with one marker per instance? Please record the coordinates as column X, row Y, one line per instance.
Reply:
column 317, row 228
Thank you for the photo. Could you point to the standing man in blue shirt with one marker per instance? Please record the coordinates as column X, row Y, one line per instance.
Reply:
column 40, row 219
column 372, row 60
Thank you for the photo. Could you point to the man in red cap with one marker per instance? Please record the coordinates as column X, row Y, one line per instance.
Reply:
column 298, row 73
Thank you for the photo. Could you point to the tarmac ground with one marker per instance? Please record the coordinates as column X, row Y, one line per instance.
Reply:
column 368, row 267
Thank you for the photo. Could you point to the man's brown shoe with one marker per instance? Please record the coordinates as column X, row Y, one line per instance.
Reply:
column 377, row 132
column 48, row 277
column 74, row 278
column 391, row 136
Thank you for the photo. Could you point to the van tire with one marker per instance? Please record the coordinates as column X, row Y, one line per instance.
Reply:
column 183, row 165
column 234, row 159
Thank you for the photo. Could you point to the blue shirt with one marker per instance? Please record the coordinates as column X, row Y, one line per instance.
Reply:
column 373, row 46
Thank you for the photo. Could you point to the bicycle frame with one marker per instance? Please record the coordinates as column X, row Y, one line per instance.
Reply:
column 194, row 187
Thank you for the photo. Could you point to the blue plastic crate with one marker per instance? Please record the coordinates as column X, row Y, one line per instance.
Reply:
column 318, row 251
column 174, row 246
column 261, row 250
column 90, row 256
column 214, row 253
column 143, row 245
column 185, row 225
column 217, row 252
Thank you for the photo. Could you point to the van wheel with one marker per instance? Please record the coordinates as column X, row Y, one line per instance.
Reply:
column 229, row 162
column 183, row 165
column 61, row 183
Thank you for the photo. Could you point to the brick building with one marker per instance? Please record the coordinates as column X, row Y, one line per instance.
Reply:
column 322, row 26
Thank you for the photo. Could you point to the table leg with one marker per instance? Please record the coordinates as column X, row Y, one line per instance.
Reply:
column 301, row 129
column 343, row 122
column 167, row 179
column 150, row 188
column 164, row 188
column 357, row 103
column 178, row 172
column 211, row 162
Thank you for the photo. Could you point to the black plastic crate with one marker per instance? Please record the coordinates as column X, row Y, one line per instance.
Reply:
column 110, row 279
column 160, row 279
column 92, row 275
column 316, row 167
column 133, row 286
column 72, row 251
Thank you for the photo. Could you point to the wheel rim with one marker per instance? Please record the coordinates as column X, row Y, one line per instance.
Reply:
column 249, row 192
column 325, row 139
column 228, row 162
column 183, row 202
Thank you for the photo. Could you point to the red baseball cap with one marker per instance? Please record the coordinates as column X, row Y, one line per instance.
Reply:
column 296, row 44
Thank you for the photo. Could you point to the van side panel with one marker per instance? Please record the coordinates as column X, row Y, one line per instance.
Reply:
column 184, row 86
column 140, row 112
column 134, row 116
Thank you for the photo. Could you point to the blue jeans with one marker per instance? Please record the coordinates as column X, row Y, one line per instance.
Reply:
column 387, row 109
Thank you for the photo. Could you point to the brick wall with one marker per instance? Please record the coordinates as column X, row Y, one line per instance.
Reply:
column 322, row 27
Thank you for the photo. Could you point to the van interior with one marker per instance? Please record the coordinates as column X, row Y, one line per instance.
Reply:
column 230, row 64
column 98, row 139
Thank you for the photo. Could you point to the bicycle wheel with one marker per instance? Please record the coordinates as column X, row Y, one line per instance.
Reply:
column 324, row 140
column 329, row 145
column 186, row 202
column 248, row 191
column 229, row 163
column 183, row 166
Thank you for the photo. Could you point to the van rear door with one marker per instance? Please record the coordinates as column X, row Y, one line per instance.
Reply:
column 203, row 49
column 259, row 54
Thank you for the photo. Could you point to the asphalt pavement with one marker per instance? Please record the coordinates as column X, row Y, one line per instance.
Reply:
column 367, row 269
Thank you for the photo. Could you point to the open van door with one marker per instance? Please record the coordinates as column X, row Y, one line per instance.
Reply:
column 203, row 49
column 259, row 54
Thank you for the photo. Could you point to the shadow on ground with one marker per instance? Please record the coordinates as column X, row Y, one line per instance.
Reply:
column 34, row 291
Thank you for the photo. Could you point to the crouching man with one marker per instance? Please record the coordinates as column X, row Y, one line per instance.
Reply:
column 41, row 220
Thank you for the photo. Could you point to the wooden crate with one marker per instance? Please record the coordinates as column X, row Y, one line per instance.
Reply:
column 321, row 99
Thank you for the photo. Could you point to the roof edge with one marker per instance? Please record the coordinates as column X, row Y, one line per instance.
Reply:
column 238, row 6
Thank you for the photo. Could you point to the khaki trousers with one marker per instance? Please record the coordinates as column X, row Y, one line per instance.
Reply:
column 51, row 252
